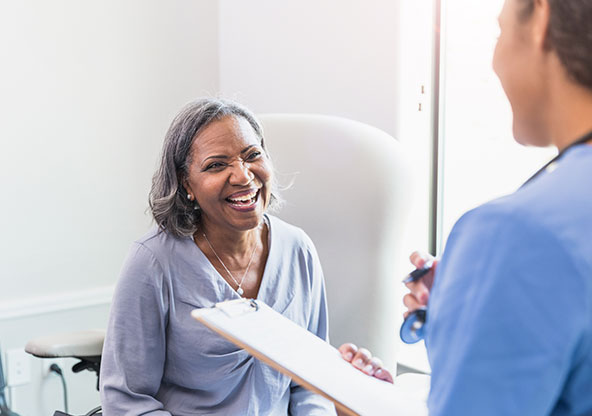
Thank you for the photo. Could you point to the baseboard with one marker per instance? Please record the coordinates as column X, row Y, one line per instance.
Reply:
column 57, row 302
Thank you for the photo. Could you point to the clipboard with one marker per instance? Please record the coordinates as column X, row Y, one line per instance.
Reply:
column 308, row 360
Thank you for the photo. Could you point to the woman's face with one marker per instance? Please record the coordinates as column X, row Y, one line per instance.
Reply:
column 518, row 64
column 230, row 176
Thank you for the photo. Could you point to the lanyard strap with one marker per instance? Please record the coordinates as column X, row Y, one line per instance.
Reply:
column 585, row 138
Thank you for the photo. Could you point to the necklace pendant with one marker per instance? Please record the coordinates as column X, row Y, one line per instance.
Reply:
column 240, row 291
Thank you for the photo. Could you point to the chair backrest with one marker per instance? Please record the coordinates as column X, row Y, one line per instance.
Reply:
column 349, row 191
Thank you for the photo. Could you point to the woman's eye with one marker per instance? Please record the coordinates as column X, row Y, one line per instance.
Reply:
column 215, row 165
column 253, row 156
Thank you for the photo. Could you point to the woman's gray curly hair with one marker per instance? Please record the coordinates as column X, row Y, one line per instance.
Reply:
column 169, row 205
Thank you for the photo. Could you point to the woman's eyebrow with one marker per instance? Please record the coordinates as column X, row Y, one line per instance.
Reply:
column 216, row 157
column 246, row 149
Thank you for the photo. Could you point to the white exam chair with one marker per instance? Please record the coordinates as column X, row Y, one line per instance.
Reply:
column 349, row 192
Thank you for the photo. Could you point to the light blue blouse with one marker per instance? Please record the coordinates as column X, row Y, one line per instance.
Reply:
column 509, row 327
column 157, row 360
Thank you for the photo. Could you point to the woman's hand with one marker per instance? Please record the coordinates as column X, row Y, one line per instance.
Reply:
column 420, row 290
column 362, row 359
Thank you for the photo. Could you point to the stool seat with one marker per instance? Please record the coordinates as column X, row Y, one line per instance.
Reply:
column 69, row 344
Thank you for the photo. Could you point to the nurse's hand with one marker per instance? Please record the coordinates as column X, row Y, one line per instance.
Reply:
column 420, row 291
column 362, row 359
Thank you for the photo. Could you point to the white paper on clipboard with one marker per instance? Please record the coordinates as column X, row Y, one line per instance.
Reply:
column 307, row 359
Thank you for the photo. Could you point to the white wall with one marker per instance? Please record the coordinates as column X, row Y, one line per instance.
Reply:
column 87, row 90
column 332, row 57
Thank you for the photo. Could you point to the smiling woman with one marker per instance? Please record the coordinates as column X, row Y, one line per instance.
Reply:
column 214, row 241
column 229, row 175
column 197, row 122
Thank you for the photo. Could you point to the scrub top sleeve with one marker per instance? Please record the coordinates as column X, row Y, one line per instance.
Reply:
column 134, row 350
column 503, row 319
column 302, row 401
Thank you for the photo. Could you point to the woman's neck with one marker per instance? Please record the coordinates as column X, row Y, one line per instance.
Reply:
column 231, row 243
column 570, row 117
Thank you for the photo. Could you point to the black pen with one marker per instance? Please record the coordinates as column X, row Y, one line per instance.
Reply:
column 417, row 274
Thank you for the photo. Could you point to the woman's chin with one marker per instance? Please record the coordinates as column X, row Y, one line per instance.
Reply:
column 246, row 219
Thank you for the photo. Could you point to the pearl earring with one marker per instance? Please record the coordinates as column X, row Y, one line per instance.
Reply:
column 189, row 197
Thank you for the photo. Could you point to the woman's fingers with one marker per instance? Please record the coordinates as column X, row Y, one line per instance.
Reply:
column 419, row 258
column 421, row 289
column 419, row 294
column 363, row 360
column 372, row 366
column 411, row 302
column 384, row 375
column 348, row 351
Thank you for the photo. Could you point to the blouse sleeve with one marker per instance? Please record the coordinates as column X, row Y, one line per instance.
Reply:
column 134, row 350
column 304, row 402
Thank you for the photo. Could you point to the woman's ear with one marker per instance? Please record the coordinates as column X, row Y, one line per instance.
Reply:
column 186, row 188
column 540, row 23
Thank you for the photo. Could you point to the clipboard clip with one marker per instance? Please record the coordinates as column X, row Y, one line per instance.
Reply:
column 237, row 307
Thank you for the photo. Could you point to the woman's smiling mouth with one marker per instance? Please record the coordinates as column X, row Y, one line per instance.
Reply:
column 245, row 200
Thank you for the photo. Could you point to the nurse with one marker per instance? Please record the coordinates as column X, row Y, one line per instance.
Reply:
column 509, row 323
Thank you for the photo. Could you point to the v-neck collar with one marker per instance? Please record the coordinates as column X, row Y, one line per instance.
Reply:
column 268, row 278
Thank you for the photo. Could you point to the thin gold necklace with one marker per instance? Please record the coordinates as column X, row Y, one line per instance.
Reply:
column 239, row 285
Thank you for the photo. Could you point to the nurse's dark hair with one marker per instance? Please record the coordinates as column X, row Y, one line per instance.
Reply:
column 569, row 35
column 169, row 205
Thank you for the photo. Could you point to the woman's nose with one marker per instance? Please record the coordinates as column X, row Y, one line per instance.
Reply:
column 241, row 174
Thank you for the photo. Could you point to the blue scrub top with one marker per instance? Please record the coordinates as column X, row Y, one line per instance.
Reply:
column 509, row 327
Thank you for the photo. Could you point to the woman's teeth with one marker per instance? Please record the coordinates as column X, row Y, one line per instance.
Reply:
column 244, row 199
